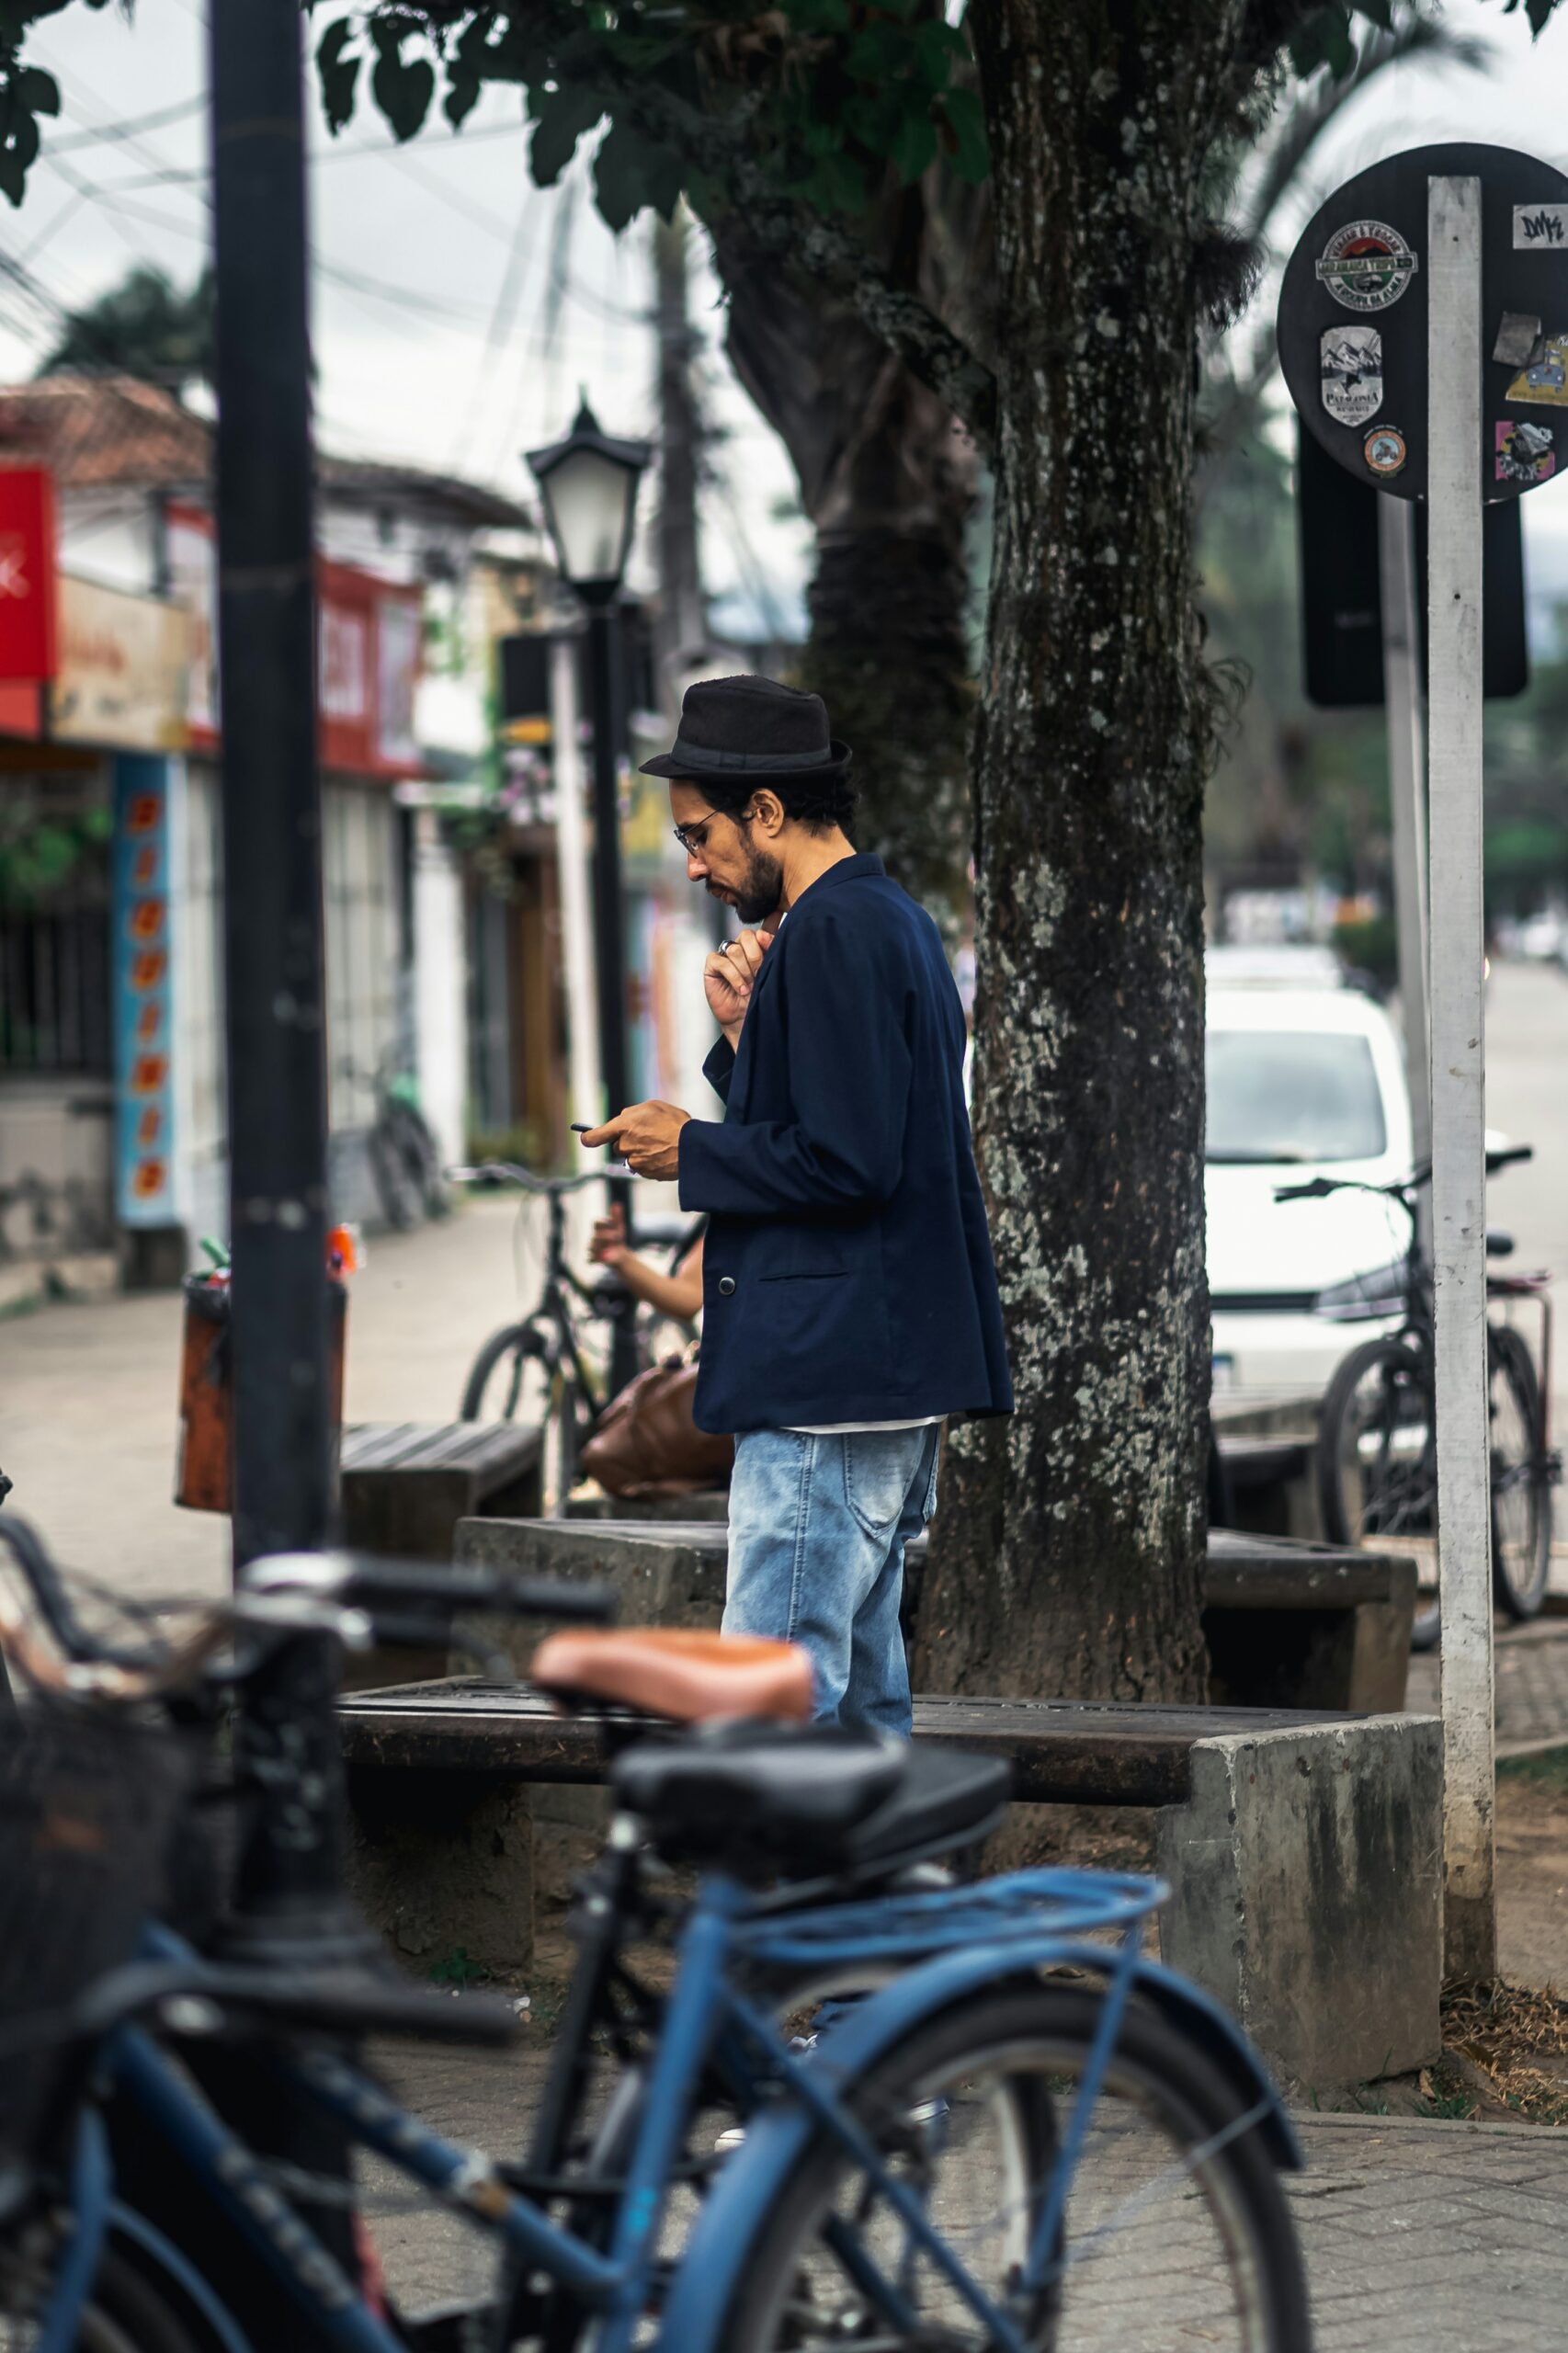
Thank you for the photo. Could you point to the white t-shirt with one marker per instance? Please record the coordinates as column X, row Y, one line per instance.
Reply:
column 853, row 1429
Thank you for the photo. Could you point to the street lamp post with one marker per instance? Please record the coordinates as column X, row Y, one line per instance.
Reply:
column 587, row 484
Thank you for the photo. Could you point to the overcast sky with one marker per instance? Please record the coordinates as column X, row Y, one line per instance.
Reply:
column 434, row 335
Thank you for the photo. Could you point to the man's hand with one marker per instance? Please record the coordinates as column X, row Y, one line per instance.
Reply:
column 649, row 1137
column 727, row 979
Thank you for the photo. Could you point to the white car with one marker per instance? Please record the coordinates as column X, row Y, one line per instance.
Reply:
column 1303, row 1082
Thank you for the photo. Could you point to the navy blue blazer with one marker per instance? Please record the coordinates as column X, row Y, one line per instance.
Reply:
column 848, row 1273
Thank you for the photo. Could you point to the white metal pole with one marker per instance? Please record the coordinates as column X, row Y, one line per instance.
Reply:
column 1407, row 788
column 1458, row 1155
column 572, row 862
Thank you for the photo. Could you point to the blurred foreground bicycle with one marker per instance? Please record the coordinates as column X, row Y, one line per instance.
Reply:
column 1025, row 2126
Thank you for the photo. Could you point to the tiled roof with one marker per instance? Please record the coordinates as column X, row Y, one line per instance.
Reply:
column 97, row 431
column 107, row 431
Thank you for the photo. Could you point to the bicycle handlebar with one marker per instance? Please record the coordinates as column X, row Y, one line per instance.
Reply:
column 356, row 1596
column 55, row 1607
column 508, row 1172
column 360, row 1581
column 1317, row 1189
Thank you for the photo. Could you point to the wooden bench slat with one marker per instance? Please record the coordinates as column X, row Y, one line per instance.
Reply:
column 1062, row 1751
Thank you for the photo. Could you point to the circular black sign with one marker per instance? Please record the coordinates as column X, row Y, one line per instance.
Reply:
column 1353, row 319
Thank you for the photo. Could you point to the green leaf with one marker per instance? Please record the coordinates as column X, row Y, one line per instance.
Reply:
column 38, row 91
column 877, row 54
column 630, row 170
column 914, row 150
column 1325, row 40
column 876, row 120
column 818, row 15
column 403, row 92
column 563, row 116
column 936, row 46
column 338, row 74
column 462, row 96
column 838, row 183
column 965, row 118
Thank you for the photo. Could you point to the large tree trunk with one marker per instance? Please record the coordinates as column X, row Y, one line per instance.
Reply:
column 888, row 481
column 1068, row 1550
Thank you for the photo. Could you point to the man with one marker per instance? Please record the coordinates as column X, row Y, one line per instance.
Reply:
column 850, row 1296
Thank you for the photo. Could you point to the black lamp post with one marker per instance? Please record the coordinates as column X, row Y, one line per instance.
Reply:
column 587, row 484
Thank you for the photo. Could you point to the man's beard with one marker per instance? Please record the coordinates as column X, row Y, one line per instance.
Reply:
column 759, row 895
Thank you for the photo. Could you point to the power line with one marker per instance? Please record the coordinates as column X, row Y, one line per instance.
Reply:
column 501, row 318
column 130, row 126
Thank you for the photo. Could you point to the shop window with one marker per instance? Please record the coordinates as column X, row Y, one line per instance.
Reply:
column 54, row 929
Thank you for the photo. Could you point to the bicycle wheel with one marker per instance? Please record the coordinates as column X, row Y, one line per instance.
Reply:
column 122, row 2314
column 1177, row 2229
column 509, row 1380
column 397, row 1186
column 1376, row 1461
column 410, row 1137
column 1521, row 1488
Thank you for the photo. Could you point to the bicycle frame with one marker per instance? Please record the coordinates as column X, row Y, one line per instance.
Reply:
column 727, row 1924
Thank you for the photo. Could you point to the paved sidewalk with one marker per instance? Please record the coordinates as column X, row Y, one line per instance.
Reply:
column 1531, row 1683
column 89, row 1393
column 1422, row 2234
column 1417, row 2234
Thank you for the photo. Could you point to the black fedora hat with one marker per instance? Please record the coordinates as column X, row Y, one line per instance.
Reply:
column 748, row 731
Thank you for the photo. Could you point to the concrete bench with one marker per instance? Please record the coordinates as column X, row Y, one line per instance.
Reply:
column 1302, row 1849
column 1266, row 1445
column 406, row 1485
column 1289, row 1624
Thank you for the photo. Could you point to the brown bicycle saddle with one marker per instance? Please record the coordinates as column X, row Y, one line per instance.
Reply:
column 686, row 1676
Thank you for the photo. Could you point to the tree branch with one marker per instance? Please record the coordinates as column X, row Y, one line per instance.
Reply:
column 784, row 227
column 719, row 146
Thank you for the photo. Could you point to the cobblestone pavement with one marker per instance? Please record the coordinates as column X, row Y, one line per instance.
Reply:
column 1531, row 1681
column 1417, row 2234
column 1421, row 2235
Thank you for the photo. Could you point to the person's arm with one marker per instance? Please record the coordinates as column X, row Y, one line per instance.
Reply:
column 849, row 1074
column 675, row 1294
column 678, row 1294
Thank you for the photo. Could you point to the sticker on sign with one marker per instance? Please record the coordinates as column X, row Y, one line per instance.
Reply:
column 1523, row 452
column 1540, row 228
column 1352, row 363
column 1544, row 384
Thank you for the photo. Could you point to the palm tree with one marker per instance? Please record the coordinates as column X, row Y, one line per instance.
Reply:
column 144, row 326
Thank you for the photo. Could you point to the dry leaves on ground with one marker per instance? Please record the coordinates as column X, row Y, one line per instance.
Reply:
column 1516, row 2038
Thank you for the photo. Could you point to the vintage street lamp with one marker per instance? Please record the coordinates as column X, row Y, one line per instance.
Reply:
column 587, row 484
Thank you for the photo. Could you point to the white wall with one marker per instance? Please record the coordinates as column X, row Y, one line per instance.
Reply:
column 440, row 1007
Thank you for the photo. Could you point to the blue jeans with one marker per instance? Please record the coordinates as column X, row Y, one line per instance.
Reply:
column 817, row 1531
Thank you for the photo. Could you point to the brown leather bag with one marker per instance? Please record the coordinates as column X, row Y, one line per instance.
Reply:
column 646, row 1442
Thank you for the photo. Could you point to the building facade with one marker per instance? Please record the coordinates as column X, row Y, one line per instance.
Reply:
column 112, row 1081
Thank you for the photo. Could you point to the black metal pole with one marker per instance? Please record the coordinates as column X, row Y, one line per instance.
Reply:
column 604, row 704
column 287, row 1760
column 273, row 920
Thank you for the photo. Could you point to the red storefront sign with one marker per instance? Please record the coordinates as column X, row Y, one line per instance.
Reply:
column 27, row 575
column 366, row 668
column 368, row 649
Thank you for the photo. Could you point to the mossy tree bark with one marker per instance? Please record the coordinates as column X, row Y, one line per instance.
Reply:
column 1068, row 1550
column 888, row 480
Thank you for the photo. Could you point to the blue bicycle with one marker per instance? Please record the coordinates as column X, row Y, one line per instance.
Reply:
column 1027, row 2137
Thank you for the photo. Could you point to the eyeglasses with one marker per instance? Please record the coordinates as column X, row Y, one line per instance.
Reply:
column 691, row 838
